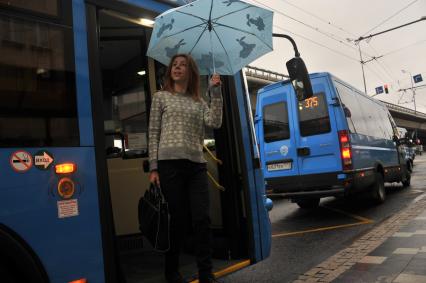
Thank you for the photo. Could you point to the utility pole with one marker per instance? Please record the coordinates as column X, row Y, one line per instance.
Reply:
column 361, row 38
column 362, row 67
column 412, row 88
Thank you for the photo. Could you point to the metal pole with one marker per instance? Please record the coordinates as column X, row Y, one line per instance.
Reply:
column 414, row 92
column 362, row 67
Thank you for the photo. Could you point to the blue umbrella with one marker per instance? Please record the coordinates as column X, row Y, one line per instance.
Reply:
column 222, row 36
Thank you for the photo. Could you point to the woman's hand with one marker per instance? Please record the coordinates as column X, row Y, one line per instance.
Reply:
column 215, row 80
column 154, row 178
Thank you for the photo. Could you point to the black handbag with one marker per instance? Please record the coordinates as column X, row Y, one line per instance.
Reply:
column 154, row 218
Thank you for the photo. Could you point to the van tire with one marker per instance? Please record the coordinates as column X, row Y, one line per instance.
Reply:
column 378, row 192
column 308, row 203
column 410, row 166
column 406, row 182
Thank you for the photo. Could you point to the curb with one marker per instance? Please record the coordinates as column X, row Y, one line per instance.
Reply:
column 342, row 261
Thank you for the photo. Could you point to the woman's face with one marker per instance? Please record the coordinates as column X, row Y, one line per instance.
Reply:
column 179, row 71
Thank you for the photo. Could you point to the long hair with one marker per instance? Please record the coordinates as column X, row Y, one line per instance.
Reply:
column 193, row 76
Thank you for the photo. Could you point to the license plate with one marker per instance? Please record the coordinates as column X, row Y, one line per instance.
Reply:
column 279, row 166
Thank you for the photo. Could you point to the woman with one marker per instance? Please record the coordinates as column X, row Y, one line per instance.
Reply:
column 176, row 135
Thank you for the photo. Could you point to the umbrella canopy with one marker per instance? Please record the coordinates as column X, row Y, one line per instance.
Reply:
column 222, row 36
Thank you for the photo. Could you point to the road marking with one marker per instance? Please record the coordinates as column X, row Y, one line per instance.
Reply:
column 318, row 229
column 362, row 221
column 357, row 217
column 229, row 269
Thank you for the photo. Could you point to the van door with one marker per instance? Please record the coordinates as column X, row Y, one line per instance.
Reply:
column 318, row 147
column 278, row 152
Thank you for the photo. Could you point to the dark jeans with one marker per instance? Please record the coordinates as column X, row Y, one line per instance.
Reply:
column 185, row 186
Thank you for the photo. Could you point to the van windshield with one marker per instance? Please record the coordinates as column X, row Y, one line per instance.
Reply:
column 275, row 122
column 313, row 115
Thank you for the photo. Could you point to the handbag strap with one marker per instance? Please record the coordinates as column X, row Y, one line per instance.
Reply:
column 156, row 190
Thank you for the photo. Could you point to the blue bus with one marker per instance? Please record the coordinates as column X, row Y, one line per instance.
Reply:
column 338, row 142
column 76, row 88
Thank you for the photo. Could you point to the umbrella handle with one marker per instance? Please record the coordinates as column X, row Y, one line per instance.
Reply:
column 211, row 47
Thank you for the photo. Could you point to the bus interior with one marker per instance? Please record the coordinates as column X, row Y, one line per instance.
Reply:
column 128, row 79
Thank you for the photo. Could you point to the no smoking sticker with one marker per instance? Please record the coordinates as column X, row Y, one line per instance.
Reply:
column 21, row 161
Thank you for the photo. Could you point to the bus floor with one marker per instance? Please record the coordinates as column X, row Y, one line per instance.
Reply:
column 148, row 266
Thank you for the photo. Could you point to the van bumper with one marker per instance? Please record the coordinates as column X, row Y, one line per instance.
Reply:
column 313, row 185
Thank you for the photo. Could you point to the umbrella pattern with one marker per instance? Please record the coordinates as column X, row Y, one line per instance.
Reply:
column 221, row 35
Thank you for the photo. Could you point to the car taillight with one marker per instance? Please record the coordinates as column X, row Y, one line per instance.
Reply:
column 345, row 149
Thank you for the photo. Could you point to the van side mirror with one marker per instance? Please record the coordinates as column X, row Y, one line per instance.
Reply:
column 348, row 113
column 395, row 139
column 300, row 78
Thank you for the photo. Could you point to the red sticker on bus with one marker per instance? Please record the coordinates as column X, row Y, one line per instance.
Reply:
column 21, row 161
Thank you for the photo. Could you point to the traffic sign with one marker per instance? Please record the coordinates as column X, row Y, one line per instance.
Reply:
column 417, row 78
column 379, row 89
column 21, row 161
column 43, row 160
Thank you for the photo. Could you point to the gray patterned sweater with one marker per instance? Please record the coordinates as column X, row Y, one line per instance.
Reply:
column 176, row 125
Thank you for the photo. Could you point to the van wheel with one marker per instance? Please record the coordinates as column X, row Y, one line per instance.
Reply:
column 407, row 180
column 410, row 166
column 378, row 192
column 309, row 203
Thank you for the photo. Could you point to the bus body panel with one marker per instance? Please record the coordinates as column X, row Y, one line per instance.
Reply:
column 73, row 247
column 38, row 220
column 84, row 104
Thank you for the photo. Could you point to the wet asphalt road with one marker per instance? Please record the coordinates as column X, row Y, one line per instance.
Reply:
column 304, row 238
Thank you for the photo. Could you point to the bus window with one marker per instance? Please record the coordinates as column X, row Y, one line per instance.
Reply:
column 313, row 115
column 49, row 7
column 275, row 122
column 37, row 85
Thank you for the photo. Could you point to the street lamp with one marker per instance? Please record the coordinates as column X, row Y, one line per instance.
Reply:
column 412, row 88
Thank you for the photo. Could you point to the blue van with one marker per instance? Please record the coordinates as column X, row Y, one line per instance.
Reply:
column 337, row 142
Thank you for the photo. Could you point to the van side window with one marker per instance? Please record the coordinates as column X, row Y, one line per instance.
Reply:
column 275, row 122
column 313, row 115
column 356, row 122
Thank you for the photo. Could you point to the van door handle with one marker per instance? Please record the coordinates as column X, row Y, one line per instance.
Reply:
column 303, row 151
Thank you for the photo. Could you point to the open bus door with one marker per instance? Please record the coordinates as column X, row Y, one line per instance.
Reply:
column 123, row 80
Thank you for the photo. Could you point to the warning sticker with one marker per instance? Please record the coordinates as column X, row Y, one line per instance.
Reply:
column 67, row 208
column 21, row 161
column 43, row 159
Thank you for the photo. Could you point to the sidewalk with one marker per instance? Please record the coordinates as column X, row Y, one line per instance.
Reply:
column 401, row 258
column 394, row 251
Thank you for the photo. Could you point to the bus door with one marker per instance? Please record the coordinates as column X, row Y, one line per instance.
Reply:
column 123, row 82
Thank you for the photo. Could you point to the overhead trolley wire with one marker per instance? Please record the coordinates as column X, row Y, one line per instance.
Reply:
column 387, row 19
column 383, row 64
column 377, row 75
column 329, row 35
column 402, row 48
column 333, row 37
column 317, row 43
column 320, row 19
